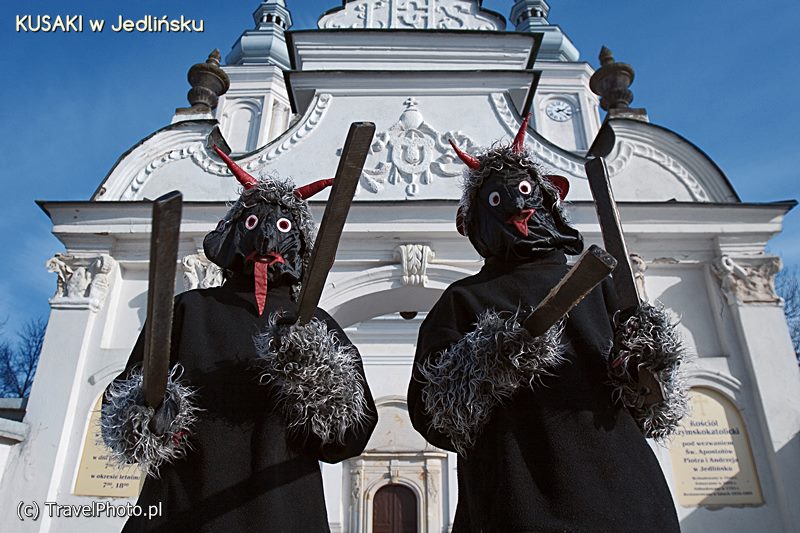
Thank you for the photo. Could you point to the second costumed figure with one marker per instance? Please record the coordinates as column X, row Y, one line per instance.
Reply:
column 549, row 430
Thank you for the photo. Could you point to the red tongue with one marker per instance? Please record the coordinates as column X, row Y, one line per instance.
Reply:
column 260, row 266
column 520, row 220
column 261, row 285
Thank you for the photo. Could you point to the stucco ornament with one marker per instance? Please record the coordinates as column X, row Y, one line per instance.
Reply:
column 414, row 258
column 411, row 153
column 200, row 273
column 82, row 282
column 413, row 14
column 748, row 280
column 639, row 266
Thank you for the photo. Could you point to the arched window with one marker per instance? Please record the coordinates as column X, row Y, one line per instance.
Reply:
column 394, row 510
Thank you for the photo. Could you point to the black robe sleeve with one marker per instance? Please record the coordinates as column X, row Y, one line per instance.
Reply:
column 131, row 429
column 357, row 435
column 432, row 339
column 459, row 379
column 318, row 377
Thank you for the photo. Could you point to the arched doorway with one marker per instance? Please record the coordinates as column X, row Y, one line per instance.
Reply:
column 394, row 510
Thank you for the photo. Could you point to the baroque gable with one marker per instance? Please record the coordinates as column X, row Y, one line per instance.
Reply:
column 413, row 14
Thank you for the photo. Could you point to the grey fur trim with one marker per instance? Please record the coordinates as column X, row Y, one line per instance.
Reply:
column 648, row 340
column 125, row 419
column 496, row 159
column 487, row 365
column 273, row 189
column 316, row 377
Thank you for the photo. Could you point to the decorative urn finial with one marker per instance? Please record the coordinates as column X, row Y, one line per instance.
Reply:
column 611, row 83
column 208, row 82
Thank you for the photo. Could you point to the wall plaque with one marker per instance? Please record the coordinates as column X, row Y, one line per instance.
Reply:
column 712, row 461
column 98, row 475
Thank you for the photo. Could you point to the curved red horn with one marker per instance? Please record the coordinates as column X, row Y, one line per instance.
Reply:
column 307, row 191
column 247, row 181
column 469, row 160
column 519, row 141
column 561, row 183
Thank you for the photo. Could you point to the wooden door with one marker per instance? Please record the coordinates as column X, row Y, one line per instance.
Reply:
column 394, row 510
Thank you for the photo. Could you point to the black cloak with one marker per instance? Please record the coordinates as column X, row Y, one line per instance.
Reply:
column 246, row 470
column 558, row 455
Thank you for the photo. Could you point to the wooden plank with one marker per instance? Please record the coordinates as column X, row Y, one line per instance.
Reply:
column 613, row 238
column 592, row 267
column 354, row 154
column 160, row 293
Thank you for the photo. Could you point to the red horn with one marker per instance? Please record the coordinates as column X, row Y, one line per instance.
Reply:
column 519, row 141
column 561, row 183
column 469, row 160
column 307, row 191
column 247, row 181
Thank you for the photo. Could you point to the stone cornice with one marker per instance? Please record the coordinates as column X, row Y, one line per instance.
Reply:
column 412, row 50
column 303, row 85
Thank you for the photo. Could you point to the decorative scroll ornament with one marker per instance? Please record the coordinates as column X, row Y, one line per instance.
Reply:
column 199, row 272
column 355, row 486
column 748, row 280
column 543, row 154
column 628, row 149
column 201, row 156
column 639, row 265
column 413, row 153
column 413, row 14
column 82, row 282
column 415, row 259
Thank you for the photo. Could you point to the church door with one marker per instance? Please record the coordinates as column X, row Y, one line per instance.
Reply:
column 394, row 510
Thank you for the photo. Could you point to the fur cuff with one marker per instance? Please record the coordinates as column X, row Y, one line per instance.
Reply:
column 125, row 422
column 468, row 380
column 317, row 378
column 647, row 342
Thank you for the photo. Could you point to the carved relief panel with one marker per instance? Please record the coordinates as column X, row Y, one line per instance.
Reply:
column 82, row 282
column 413, row 14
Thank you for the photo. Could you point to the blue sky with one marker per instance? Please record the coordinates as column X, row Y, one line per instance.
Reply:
column 722, row 74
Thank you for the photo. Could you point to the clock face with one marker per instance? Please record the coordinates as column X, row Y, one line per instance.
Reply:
column 559, row 110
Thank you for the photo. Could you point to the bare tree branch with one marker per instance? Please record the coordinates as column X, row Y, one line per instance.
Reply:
column 18, row 363
column 787, row 285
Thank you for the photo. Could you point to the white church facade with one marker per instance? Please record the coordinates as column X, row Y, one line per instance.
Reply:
column 423, row 72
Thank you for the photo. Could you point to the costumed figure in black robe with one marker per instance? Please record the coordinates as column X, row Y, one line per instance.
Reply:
column 549, row 430
column 254, row 399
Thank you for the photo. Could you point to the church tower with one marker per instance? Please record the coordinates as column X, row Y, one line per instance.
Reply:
column 255, row 110
column 564, row 110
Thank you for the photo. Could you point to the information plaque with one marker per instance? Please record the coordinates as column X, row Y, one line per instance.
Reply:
column 712, row 461
column 98, row 475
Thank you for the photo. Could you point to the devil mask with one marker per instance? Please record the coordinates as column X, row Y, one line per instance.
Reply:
column 509, row 210
column 267, row 234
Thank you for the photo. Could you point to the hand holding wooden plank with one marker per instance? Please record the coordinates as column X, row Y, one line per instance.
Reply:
column 161, row 290
column 624, row 281
column 589, row 270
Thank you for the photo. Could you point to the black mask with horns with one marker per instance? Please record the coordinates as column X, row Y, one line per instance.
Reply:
column 509, row 209
column 267, row 234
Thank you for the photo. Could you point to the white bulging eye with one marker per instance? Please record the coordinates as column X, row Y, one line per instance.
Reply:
column 494, row 199
column 525, row 187
column 251, row 222
column 284, row 225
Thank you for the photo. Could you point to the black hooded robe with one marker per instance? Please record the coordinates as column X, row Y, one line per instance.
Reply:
column 559, row 456
column 245, row 471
